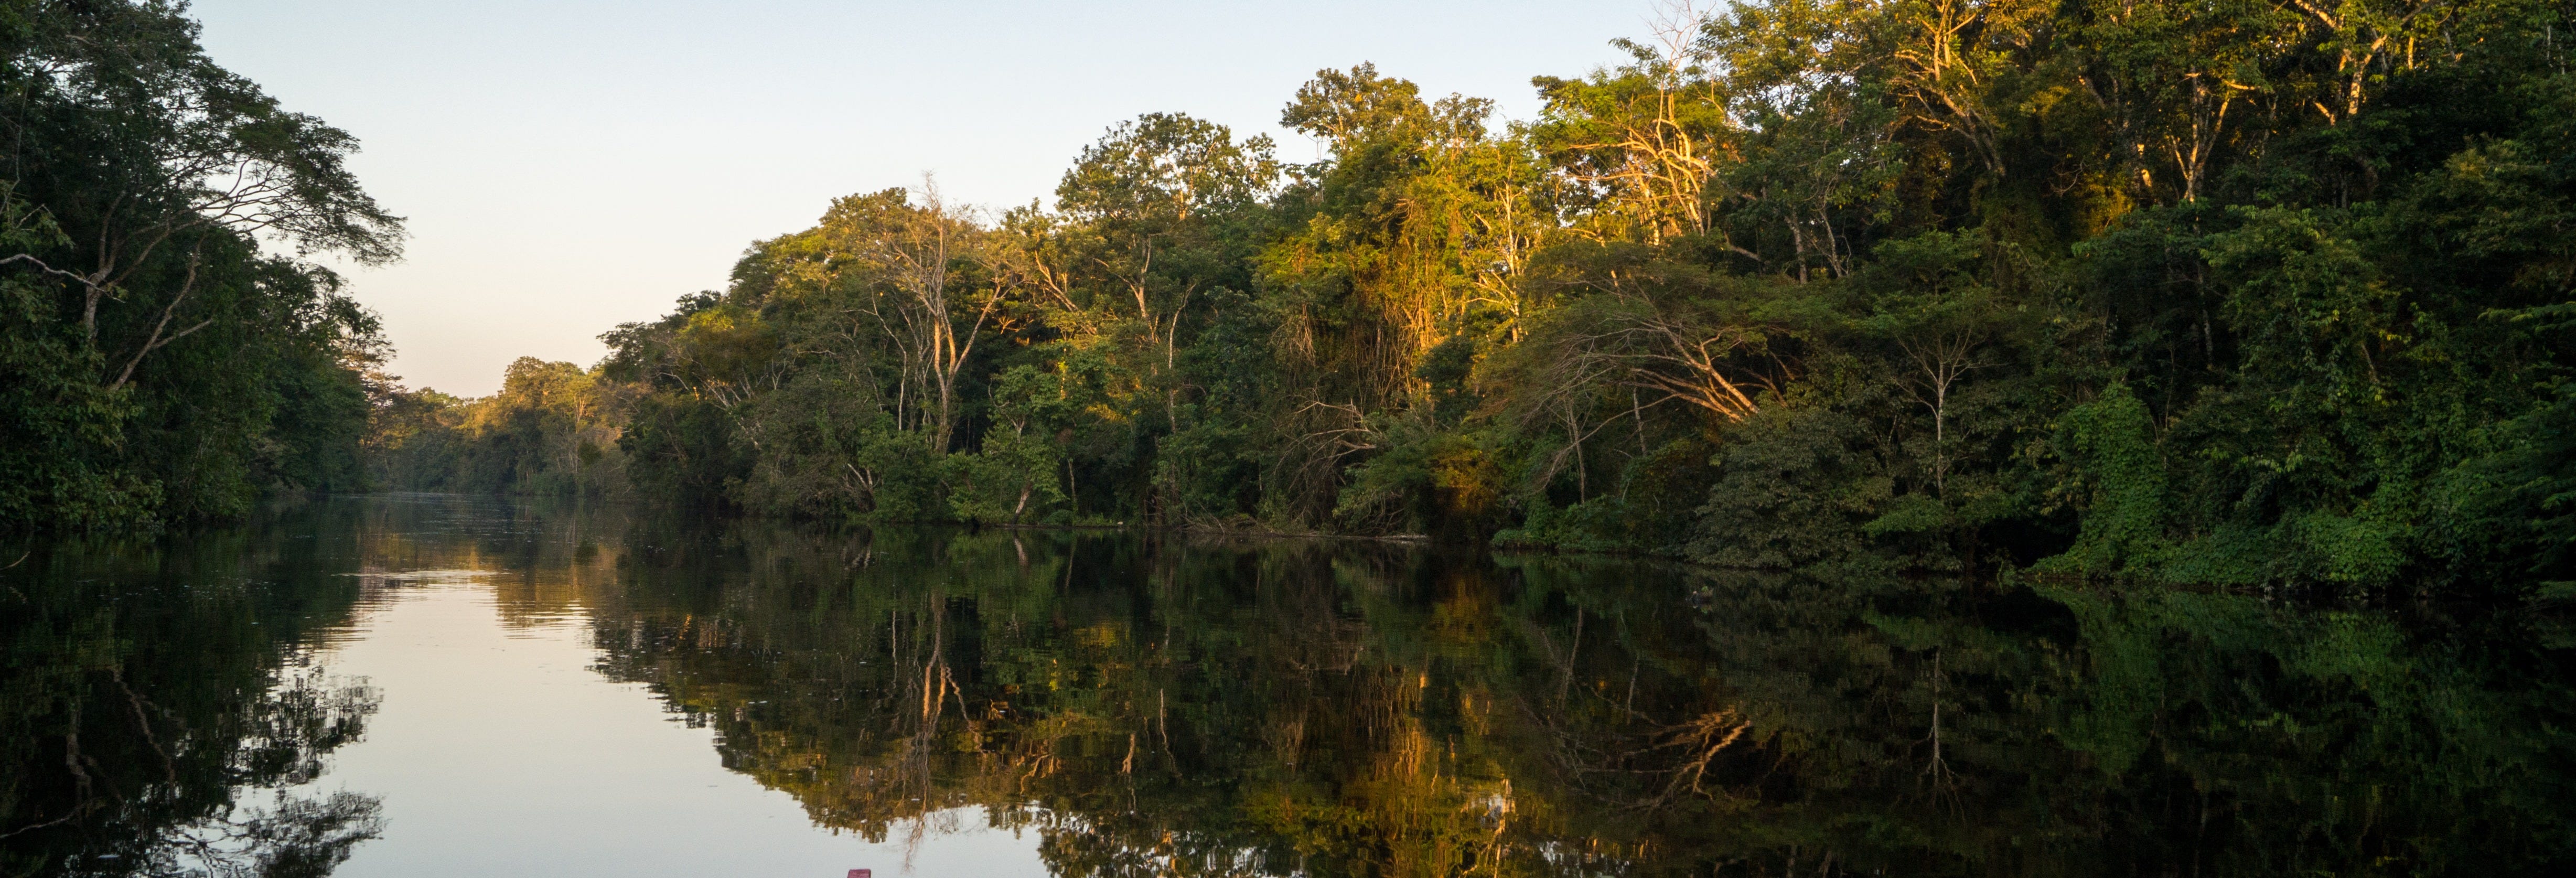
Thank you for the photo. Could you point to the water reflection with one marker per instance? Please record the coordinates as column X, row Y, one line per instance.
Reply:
column 1176, row 706
column 1334, row 708
column 157, row 712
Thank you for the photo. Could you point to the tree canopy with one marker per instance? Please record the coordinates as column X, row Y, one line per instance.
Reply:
column 168, row 350
column 2236, row 294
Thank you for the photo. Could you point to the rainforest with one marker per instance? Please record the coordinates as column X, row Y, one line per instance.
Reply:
column 2199, row 376
column 2234, row 295
column 2231, row 295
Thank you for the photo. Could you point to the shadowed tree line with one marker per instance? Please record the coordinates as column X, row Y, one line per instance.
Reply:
column 2238, row 294
column 169, row 349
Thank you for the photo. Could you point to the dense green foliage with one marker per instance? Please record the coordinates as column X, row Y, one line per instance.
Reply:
column 545, row 432
column 2219, row 293
column 1891, row 294
column 162, row 357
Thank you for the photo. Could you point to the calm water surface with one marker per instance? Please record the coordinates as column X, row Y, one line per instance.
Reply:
column 428, row 685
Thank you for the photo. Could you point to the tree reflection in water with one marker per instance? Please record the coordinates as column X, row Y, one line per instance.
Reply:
column 157, row 707
column 1202, row 707
column 1193, row 707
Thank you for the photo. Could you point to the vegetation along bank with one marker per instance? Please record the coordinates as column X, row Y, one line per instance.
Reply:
column 2232, row 294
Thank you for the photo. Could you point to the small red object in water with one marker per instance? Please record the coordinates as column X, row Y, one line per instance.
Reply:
column 861, row 873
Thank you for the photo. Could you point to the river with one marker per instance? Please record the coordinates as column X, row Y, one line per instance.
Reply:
column 435, row 685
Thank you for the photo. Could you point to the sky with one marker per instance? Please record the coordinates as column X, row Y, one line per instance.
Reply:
column 570, row 165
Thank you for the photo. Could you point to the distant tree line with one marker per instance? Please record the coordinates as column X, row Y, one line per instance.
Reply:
column 549, row 431
column 168, row 349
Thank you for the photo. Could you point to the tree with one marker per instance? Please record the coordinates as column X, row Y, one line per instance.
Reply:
column 190, row 152
column 180, row 352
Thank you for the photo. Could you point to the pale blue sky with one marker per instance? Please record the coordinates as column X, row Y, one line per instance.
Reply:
column 568, row 165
